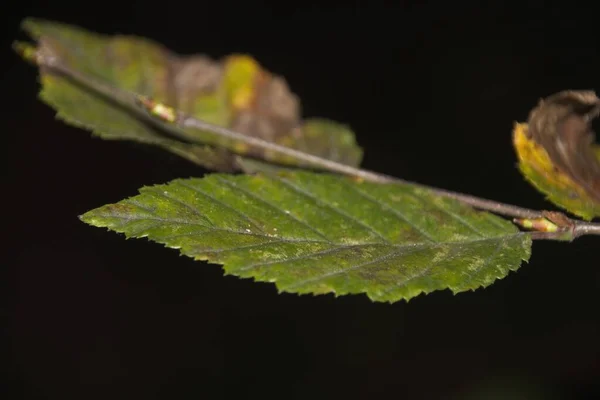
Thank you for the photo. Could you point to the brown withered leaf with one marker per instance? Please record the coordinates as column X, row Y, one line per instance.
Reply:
column 557, row 152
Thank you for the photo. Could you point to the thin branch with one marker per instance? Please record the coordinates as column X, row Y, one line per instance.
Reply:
column 585, row 228
column 174, row 122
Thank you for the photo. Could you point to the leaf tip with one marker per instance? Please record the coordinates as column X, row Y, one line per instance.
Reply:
column 87, row 218
column 31, row 25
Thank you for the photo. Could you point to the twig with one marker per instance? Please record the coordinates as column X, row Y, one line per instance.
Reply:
column 175, row 121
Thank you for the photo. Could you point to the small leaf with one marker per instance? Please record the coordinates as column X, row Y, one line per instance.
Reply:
column 321, row 233
column 235, row 92
column 557, row 154
column 538, row 169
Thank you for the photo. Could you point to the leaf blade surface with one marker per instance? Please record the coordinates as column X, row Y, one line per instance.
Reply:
column 320, row 233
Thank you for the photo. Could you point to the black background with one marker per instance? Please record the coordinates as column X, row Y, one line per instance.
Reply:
column 431, row 90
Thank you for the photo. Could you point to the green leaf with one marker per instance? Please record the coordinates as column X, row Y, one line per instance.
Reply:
column 234, row 92
column 321, row 233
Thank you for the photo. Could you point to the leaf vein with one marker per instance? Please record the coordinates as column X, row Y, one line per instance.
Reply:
column 487, row 260
column 272, row 206
column 307, row 256
column 385, row 257
column 324, row 204
column 222, row 204
column 454, row 216
column 397, row 213
column 400, row 284
column 181, row 202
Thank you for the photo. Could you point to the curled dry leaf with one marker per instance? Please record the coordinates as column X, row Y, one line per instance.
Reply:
column 557, row 153
column 235, row 92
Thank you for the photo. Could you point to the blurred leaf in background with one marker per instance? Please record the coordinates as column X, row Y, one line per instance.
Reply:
column 235, row 92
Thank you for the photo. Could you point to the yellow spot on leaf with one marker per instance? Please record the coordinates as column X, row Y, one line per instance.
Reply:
column 534, row 155
column 241, row 73
column 240, row 148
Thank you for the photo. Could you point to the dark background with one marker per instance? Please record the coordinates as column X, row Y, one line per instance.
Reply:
column 431, row 89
